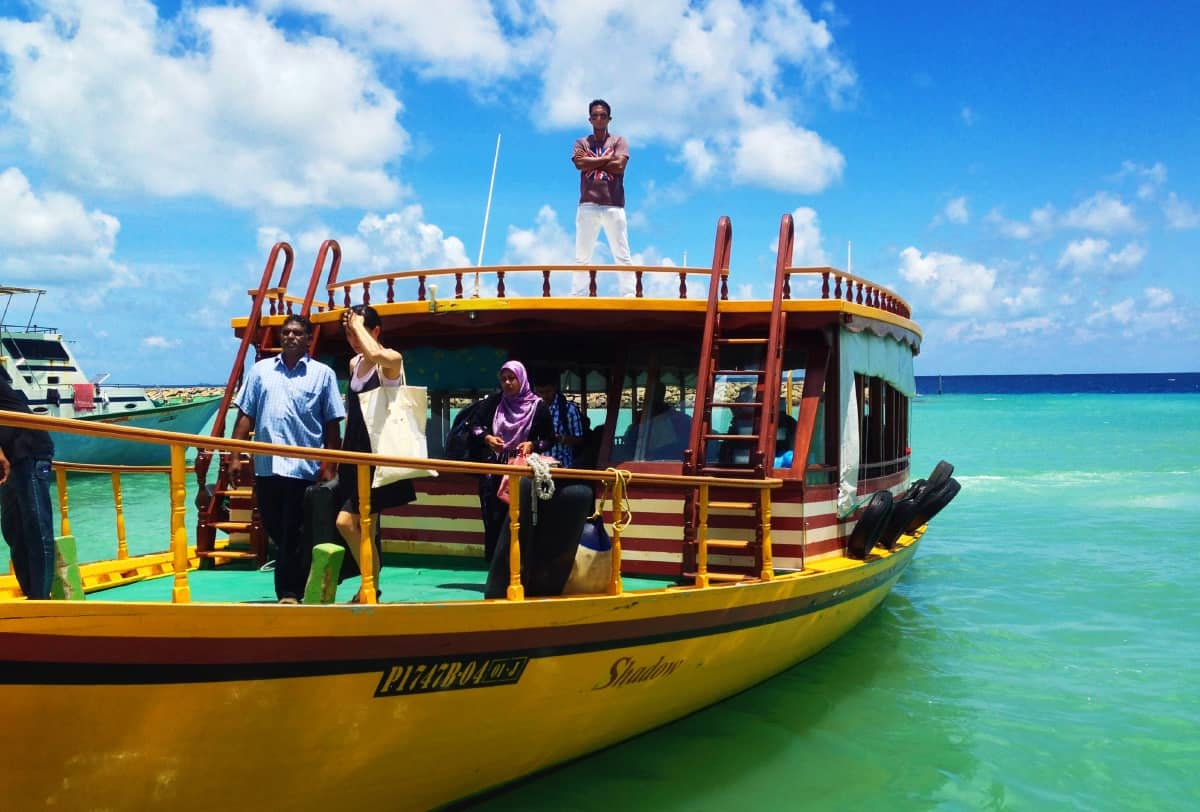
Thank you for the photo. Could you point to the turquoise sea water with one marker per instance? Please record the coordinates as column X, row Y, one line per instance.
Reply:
column 1042, row 652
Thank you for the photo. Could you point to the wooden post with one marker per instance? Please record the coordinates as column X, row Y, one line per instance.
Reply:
column 180, row 592
column 64, row 514
column 516, row 591
column 321, row 586
column 618, row 501
column 118, row 504
column 702, row 540
column 67, row 584
column 366, row 541
column 768, row 561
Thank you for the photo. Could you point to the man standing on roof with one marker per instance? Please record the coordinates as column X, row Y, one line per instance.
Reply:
column 290, row 399
column 601, row 158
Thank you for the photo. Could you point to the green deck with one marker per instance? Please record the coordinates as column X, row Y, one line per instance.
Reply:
column 405, row 579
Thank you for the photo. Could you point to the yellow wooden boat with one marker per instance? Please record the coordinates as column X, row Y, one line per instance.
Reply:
column 730, row 563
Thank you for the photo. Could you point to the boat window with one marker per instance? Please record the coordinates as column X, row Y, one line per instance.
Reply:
column 36, row 348
column 882, row 427
column 661, row 433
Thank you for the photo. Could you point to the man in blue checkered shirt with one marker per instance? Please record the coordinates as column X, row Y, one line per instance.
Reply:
column 568, row 423
column 290, row 399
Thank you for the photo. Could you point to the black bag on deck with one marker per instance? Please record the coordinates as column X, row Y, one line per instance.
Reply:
column 320, row 513
column 459, row 446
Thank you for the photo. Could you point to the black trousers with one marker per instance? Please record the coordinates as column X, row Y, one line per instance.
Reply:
column 281, row 505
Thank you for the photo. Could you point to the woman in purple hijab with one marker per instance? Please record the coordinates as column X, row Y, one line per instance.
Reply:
column 510, row 422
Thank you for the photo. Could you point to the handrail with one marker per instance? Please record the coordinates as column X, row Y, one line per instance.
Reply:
column 178, row 442
column 249, row 334
column 501, row 271
column 869, row 294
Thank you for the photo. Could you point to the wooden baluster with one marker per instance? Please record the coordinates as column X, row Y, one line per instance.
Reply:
column 64, row 513
column 366, row 294
column 638, row 286
column 500, row 284
column 702, row 539
column 516, row 591
column 837, row 287
column 683, row 284
column 366, row 549
column 345, row 295
column 860, row 294
column 824, row 284
column 849, row 290
column 458, row 290
column 391, row 290
column 118, row 504
column 330, row 294
column 545, row 283
column 618, row 499
column 180, row 591
column 787, row 285
column 724, row 286
column 420, row 287
column 592, row 282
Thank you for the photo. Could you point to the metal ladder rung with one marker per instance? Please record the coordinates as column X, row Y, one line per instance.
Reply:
column 734, row 341
column 232, row 527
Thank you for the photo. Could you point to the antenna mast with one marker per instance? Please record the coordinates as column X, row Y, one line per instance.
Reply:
column 486, row 213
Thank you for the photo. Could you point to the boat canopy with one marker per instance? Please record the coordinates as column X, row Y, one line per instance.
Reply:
column 874, row 356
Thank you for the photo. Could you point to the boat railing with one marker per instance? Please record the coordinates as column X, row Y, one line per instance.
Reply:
column 180, row 554
column 469, row 282
column 26, row 328
column 850, row 288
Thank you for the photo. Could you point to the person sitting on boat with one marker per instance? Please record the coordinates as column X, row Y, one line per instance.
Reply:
column 568, row 423
column 510, row 423
column 290, row 399
column 372, row 366
column 668, row 430
column 26, row 519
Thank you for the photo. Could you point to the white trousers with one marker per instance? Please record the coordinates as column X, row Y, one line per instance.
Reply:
column 589, row 219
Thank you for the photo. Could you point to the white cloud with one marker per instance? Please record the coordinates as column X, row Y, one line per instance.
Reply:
column 1103, row 213
column 968, row 116
column 1041, row 223
column 160, row 343
column 1091, row 253
column 699, row 160
column 1149, row 178
column 1158, row 297
column 456, row 39
column 806, row 244
column 787, row 158
column 1181, row 215
column 955, row 286
column 547, row 243
column 218, row 103
column 1128, row 257
column 955, row 212
column 50, row 239
column 1084, row 254
column 52, row 222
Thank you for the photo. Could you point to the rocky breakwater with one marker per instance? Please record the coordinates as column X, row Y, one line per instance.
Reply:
column 185, row 393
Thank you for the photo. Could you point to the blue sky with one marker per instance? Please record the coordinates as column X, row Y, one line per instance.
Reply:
column 1026, row 177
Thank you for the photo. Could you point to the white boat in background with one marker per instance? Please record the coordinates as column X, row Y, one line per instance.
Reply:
column 37, row 361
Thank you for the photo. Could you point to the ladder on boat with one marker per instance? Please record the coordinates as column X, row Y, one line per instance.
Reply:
column 216, row 502
column 739, row 375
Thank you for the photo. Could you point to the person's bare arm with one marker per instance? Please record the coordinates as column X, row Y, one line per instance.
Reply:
column 333, row 441
column 388, row 360
column 241, row 431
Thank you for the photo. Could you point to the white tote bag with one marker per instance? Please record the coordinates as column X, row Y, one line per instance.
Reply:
column 395, row 418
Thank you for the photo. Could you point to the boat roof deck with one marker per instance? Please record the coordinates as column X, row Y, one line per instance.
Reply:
column 405, row 579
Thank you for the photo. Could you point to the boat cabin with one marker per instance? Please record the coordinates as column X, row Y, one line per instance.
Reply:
column 809, row 384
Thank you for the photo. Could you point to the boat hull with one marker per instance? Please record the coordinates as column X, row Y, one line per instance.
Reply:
column 397, row 706
column 188, row 417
